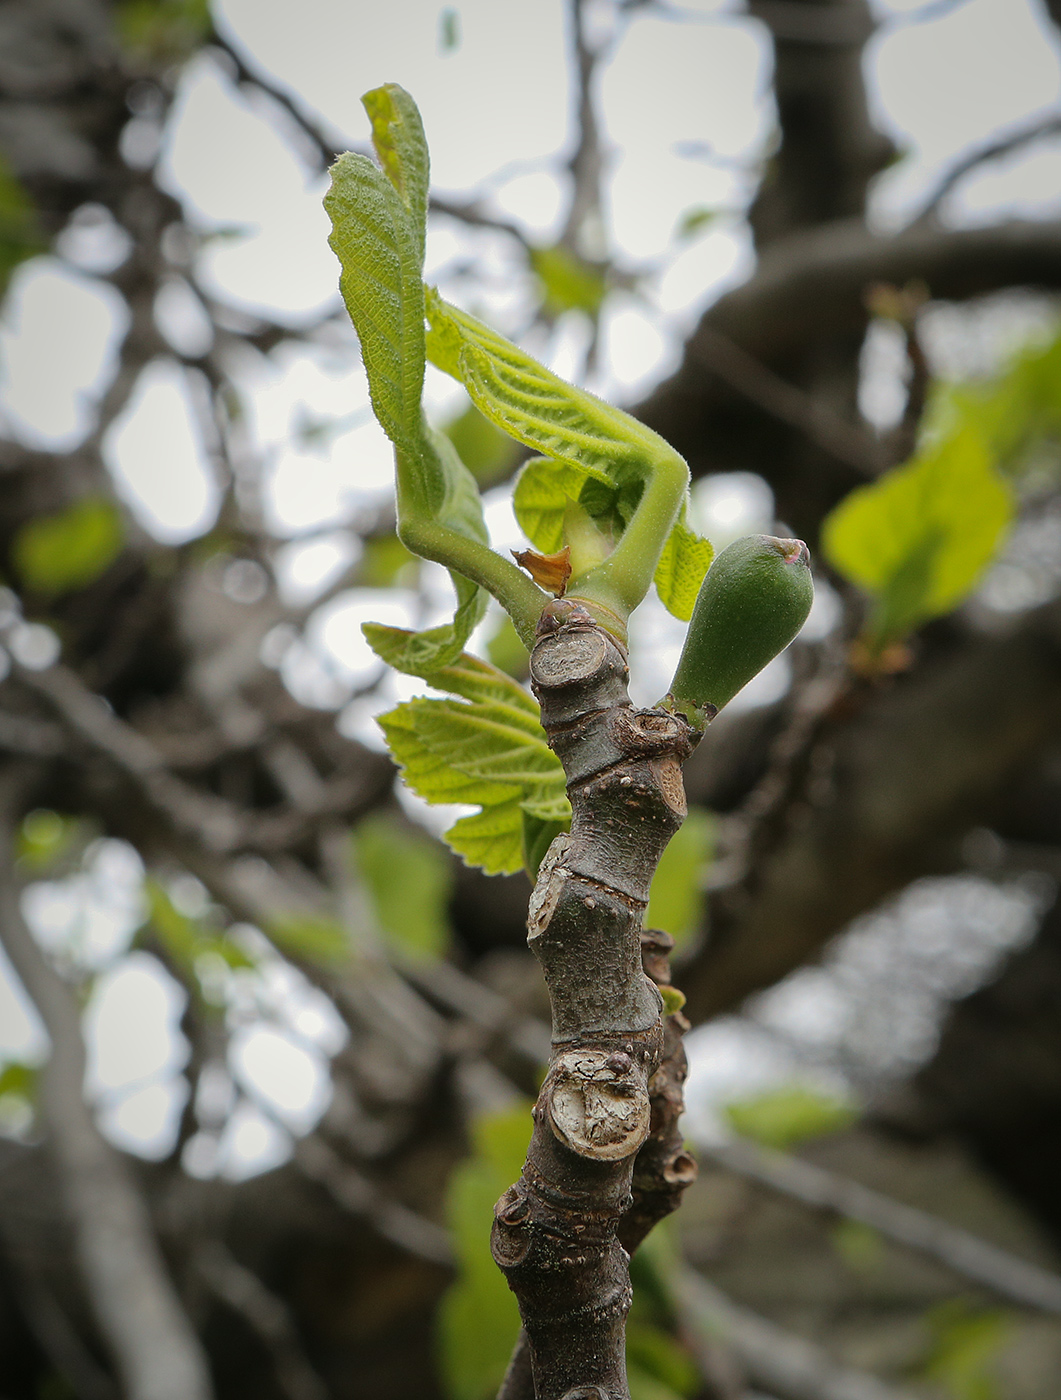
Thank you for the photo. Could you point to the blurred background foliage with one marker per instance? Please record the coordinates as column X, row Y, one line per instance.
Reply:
column 289, row 1037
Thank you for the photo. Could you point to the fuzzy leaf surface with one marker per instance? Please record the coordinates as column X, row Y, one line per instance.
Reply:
column 486, row 748
column 532, row 404
column 379, row 218
column 380, row 250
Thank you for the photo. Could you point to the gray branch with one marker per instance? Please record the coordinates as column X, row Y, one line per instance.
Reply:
column 139, row 1312
column 993, row 1268
column 786, row 1365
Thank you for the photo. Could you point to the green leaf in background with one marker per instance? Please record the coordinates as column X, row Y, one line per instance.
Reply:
column 1018, row 411
column 919, row 538
column 567, row 282
column 449, row 30
column 479, row 1320
column 384, row 562
column 18, row 1092
column 487, row 452
column 18, row 1080
column 676, row 898
column 45, row 838
column 409, row 880
column 695, row 220
column 315, row 938
column 505, row 649
column 188, row 941
column 858, row 1245
column 783, row 1117
column 487, row 748
column 59, row 553
column 162, row 30
column 966, row 1344
column 658, row 1366
column 20, row 237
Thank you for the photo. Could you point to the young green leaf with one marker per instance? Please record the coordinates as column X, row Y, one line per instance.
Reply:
column 545, row 493
column 400, row 144
column 378, row 228
column 466, row 675
column 685, row 560
column 412, row 910
column 487, row 748
column 570, row 425
column 380, row 249
column 918, row 539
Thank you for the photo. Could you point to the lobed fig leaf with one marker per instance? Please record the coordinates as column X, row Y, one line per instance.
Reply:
column 754, row 599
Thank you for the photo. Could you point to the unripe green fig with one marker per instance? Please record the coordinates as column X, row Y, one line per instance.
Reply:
column 754, row 599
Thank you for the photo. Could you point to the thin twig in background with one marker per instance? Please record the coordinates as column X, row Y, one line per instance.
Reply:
column 973, row 1258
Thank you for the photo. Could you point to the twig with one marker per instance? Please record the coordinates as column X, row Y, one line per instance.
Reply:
column 210, row 819
column 991, row 150
column 157, row 1352
column 986, row 1264
column 786, row 402
column 245, row 1293
column 324, row 150
column 357, row 1194
column 786, row 1365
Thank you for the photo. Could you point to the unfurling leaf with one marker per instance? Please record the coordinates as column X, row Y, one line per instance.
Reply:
column 572, row 427
column 918, row 539
column 546, row 490
column 379, row 216
column 681, row 569
column 532, row 404
column 753, row 601
column 486, row 748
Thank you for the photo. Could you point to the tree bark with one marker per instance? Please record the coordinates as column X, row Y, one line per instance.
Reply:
column 556, row 1231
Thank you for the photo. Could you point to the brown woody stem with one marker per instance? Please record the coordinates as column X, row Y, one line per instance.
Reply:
column 556, row 1231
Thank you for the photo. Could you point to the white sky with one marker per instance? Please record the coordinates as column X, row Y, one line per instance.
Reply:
column 687, row 114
